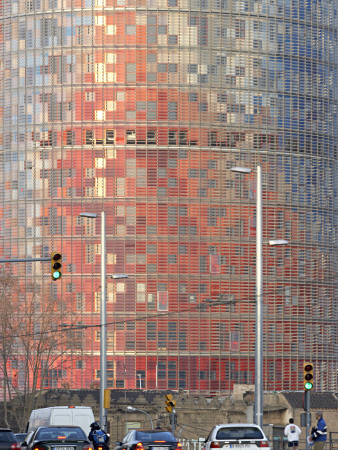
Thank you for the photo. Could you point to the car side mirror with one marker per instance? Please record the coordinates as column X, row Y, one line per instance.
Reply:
column 118, row 443
column 24, row 444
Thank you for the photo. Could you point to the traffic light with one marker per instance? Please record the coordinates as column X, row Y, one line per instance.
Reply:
column 170, row 403
column 56, row 265
column 308, row 376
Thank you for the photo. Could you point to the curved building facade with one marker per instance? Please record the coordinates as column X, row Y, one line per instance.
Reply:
column 140, row 108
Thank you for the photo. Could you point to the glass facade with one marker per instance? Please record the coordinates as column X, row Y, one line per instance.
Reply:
column 140, row 108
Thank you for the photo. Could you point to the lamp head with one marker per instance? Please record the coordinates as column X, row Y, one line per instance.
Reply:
column 88, row 215
column 278, row 242
column 241, row 169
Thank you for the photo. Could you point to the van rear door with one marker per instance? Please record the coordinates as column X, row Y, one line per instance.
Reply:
column 61, row 417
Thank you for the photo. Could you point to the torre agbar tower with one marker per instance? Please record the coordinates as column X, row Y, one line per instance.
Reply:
column 140, row 108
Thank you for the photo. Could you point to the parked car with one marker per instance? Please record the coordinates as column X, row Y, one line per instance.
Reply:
column 149, row 440
column 8, row 440
column 57, row 438
column 20, row 436
column 236, row 435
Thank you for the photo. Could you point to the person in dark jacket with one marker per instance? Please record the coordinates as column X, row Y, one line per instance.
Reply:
column 94, row 427
column 318, row 433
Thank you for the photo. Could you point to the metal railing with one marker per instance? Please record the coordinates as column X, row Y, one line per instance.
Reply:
column 281, row 443
column 192, row 444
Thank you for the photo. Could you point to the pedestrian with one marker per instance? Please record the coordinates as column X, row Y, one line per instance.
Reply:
column 292, row 431
column 318, row 433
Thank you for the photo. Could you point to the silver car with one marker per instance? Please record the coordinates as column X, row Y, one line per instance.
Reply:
column 236, row 436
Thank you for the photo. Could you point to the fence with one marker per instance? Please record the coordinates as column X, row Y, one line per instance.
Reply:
column 192, row 444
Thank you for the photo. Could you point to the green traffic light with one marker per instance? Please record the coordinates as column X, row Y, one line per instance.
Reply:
column 308, row 385
column 56, row 266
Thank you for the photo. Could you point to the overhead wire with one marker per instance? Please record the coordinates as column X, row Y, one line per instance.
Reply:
column 61, row 328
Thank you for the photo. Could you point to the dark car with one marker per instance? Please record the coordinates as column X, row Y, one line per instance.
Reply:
column 8, row 440
column 20, row 436
column 57, row 438
column 149, row 440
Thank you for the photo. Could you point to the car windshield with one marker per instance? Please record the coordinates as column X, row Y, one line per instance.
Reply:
column 7, row 436
column 239, row 433
column 157, row 436
column 62, row 433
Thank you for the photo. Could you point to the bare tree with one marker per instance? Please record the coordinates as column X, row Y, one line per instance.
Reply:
column 34, row 345
column 8, row 330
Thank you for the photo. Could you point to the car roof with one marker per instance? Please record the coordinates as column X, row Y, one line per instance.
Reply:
column 59, row 426
column 153, row 430
column 238, row 425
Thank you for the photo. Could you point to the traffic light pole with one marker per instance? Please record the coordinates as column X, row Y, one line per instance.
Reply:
column 171, row 409
column 308, row 416
column 173, row 417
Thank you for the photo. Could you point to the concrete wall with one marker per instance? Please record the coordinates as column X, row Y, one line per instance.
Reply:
column 196, row 415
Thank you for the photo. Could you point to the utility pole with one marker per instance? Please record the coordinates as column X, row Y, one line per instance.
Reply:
column 171, row 409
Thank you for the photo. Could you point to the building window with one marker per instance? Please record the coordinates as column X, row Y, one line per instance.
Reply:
column 162, row 301
column 172, row 68
column 182, row 249
column 141, row 292
column 80, row 364
column 151, row 331
column 151, row 137
column 69, row 137
column 172, row 110
column 193, row 97
column 172, row 39
column 131, row 136
column 110, row 137
column 89, row 137
column 182, row 340
column 172, row 138
column 172, row 259
column 183, row 138
column 79, row 301
column 162, row 340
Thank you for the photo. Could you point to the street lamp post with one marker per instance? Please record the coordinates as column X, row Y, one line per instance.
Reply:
column 258, row 402
column 103, row 315
column 131, row 408
column 103, row 331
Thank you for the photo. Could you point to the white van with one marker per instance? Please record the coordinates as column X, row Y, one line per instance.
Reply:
column 81, row 416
